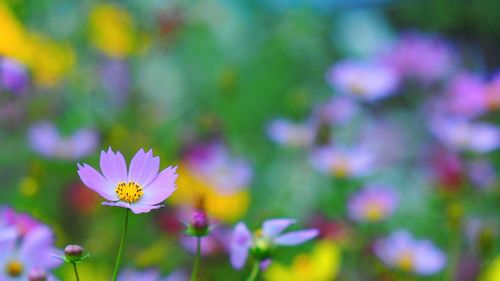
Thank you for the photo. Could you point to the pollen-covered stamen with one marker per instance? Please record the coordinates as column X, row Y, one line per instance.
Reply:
column 14, row 268
column 129, row 191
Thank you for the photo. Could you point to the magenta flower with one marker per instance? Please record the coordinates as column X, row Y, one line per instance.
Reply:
column 422, row 57
column 460, row 134
column 401, row 250
column 13, row 76
column 291, row 134
column 44, row 138
column 35, row 253
column 261, row 244
column 373, row 203
column 363, row 80
column 342, row 162
column 466, row 95
column 22, row 223
column 142, row 189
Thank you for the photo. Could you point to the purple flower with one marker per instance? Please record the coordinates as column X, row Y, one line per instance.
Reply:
column 260, row 245
column 291, row 134
column 13, row 76
column 35, row 252
column 342, row 162
column 213, row 163
column 422, row 57
column 373, row 203
column 482, row 173
column 401, row 250
column 337, row 110
column 460, row 134
column 492, row 93
column 364, row 80
column 44, row 138
column 22, row 223
column 465, row 95
column 140, row 190
column 151, row 275
column 115, row 78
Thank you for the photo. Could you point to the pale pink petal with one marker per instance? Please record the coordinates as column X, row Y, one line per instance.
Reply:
column 142, row 208
column 37, row 250
column 117, row 204
column 296, row 237
column 95, row 181
column 143, row 167
column 113, row 167
column 160, row 188
column 272, row 228
column 241, row 241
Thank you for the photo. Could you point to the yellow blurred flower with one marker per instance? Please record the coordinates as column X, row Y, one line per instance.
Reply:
column 112, row 30
column 48, row 61
column 322, row 264
column 492, row 272
column 224, row 207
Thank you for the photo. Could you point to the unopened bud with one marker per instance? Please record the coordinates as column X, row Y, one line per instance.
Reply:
column 73, row 253
column 199, row 225
column 37, row 275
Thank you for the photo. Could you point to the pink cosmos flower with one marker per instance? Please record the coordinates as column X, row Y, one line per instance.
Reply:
column 465, row 95
column 336, row 110
column 13, row 76
column 401, row 250
column 423, row 57
column 373, row 203
column 242, row 241
column 364, row 80
column 214, row 164
column 142, row 189
column 34, row 254
column 343, row 162
column 45, row 139
column 22, row 223
column 460, row 134
column 291, row 134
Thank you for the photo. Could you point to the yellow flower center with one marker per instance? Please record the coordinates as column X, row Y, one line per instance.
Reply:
column 129, row 191
column 14, row 268
column 405, row 261
column 373, row 212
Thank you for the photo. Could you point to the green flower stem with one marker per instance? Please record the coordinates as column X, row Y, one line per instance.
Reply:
column 194, row 273
column 76, row 271
column 122, row 243
column 255, row 271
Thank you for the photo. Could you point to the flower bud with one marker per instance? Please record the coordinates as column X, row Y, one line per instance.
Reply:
column 199, row 225
column 73, row 253
column 37, row 275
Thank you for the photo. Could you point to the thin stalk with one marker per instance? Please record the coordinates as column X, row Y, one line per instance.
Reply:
column 76, row 271
column 122, row 243
column 194, row 273
column 255, row 271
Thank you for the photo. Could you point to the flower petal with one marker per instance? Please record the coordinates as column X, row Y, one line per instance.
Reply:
column 240, row 244
column 272, row 228
column 95, row 181
column 142, row 208
column 296, row 237
column 117, row 204
column 161, row 187
column 37, row 250
column 143, row 167
column 113, row 167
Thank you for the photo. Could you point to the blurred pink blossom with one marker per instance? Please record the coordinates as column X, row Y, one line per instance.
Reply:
column 343, row 162
column 372, row 203
column 367, row 81
column 286, row 133
column 45, row 139
column 401, row 250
